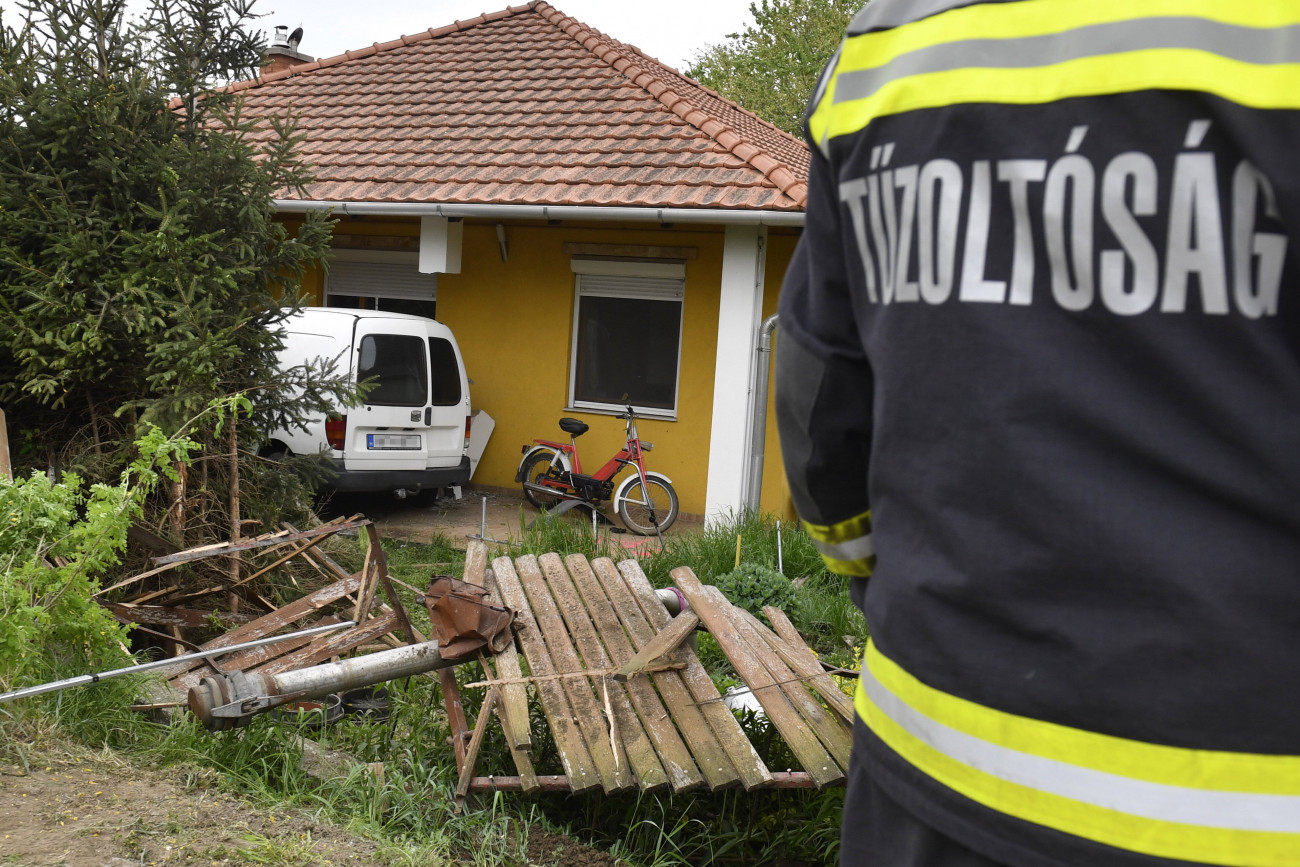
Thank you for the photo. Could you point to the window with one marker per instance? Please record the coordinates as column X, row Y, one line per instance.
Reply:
column 381, row 280
column 445, row 370
column 627, row 335
column 397, row 361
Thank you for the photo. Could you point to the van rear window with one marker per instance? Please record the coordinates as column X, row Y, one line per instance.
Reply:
column 398, row 362
column 445, row 371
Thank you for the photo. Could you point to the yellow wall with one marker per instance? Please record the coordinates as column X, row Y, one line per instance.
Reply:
column 513, row 321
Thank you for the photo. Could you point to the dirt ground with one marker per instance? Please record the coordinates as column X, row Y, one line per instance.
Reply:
column 503, row 517
column 97, row 811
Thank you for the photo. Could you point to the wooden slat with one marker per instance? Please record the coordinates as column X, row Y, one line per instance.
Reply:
column 381, row 560
column 614, row 773
column 575, row 756
column 274, row 622
column 633, row 719
column 790, row 646
column 166, row 615
column 672, row 749
column 830, row 729
column 333, row 644
column 641, row 610
column 514, row 697
column 664, row 643
column 250, row 658
column 277, row 538
column 523, row 761
column 807, row 749
column 475, row 743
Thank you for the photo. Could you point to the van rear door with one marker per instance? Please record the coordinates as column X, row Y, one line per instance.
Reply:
column 389, row 431
column 450, row 399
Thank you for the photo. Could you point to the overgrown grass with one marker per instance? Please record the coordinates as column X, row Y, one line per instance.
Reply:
column 410, row 810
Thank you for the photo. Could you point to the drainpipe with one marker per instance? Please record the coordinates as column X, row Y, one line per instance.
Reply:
column 758, row 419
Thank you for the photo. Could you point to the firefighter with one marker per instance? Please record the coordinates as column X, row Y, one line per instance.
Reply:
column 1038, row 389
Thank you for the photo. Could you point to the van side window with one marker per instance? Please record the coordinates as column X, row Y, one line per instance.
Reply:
column 399, row 363
column 445, row 372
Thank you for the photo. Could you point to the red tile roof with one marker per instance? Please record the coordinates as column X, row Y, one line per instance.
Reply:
column 527, row 106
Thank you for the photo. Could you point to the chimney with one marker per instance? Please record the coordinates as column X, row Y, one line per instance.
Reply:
column 283, row 53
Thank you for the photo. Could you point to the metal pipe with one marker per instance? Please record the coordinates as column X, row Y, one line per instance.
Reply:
column 227, row 701
column 80, row 680
column 758, row 421
column 715, row 216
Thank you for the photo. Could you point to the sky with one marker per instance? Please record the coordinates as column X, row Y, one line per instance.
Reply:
column 671, row 30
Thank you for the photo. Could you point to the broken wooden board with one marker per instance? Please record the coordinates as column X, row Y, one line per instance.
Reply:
column 640, row 717
column 514, row 697
column 574, row 755
column 806, row 746
column 701, row 694
column 799, row 656
column 613, row 768
column 664, row 643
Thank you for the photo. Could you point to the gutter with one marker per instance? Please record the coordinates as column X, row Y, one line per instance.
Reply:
column 549, row 212
column 758, row 414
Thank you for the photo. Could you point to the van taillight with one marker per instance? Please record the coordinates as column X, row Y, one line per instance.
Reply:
column 468, row 421
column 336, row 427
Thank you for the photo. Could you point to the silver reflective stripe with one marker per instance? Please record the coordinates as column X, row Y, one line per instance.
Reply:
column 1203, row 807
column 1247, row 44
column 854, row 549
column 882, row 14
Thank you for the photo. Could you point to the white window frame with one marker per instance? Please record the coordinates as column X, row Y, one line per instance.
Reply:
column 623, row 279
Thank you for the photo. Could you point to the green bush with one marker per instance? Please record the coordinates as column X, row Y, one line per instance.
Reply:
column 753, row 586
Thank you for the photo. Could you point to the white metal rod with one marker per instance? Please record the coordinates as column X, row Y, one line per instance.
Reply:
column 80, row 680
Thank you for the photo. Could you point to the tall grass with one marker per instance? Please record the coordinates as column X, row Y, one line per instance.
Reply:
column 411, row 813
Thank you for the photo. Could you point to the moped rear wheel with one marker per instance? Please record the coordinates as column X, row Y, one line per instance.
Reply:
column 536, row 469
column 648, row 504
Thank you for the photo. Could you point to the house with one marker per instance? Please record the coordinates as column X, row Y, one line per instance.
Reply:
column 587, row 220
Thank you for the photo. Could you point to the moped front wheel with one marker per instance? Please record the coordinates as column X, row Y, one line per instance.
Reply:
column 648, row 504
column 537, row 469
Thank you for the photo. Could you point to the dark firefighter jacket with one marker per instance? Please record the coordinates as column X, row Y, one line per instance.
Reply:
column 1039, row 378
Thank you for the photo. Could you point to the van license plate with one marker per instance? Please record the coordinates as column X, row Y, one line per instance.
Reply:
column 392, row 441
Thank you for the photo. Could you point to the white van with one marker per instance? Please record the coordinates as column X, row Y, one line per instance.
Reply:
column 412, row 433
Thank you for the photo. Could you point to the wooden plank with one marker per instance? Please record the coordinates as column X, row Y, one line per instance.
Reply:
column 615, row 775
column 274, row 622
column 475, row 743
column 575, row 756
column 523, row 761
column 630, row 712
column 381, row 559
column 829, row 728
column 166, row 615
column 790, row 646
column 250, row 658
column 672, row 749
column 278, row 538
column 690, row 694
column 332, row 644
column 514, row 697
column 664, row 643
column 807, row 749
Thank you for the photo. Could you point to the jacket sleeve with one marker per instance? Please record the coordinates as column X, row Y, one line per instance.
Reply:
column 824, row 387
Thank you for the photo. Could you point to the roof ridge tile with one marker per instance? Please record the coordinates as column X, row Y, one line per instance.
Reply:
column 590, row 39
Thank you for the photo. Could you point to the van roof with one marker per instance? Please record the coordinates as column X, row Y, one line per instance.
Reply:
column 363, row 314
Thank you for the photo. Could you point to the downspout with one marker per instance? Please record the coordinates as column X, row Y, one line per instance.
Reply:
column 758, row 418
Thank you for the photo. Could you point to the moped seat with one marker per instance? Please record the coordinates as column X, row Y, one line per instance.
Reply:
column 573, row 427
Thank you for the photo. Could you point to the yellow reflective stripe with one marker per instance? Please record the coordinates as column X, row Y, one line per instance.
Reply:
column 845, row 546
column 1199, row 769
column 1276, row 86
column 1090, row 820
column 1038, row 17
column 1258, row 85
